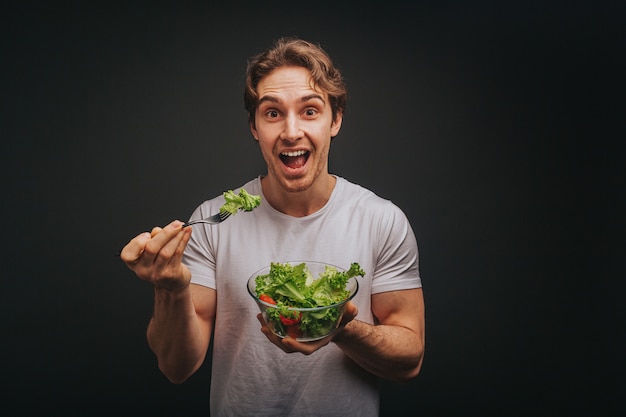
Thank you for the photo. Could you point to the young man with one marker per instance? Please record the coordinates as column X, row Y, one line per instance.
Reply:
column 295, row 99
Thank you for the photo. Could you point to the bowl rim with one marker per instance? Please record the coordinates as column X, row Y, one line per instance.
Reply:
column 305, row 309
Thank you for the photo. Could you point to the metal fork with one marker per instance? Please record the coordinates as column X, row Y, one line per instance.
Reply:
column 214, row 219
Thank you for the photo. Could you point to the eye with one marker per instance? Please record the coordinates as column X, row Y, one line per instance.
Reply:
column 271, row 114
column 310, row 112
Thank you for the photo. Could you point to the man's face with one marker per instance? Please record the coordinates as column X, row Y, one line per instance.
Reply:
column 294, row 127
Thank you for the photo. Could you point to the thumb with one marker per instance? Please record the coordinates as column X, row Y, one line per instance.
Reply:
column 350, row 312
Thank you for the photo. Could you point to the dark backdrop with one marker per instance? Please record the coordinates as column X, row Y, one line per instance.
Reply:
column 491, row 126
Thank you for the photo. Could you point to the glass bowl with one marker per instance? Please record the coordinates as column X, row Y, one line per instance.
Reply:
column 303, row 324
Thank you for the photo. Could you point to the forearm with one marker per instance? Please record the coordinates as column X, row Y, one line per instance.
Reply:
column 175, row 334
column 390, row 352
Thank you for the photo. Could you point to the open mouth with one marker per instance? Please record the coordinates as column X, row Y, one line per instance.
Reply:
column 294, row 159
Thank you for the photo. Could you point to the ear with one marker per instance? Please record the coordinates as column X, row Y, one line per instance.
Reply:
column 254, row 131
column 336, row 125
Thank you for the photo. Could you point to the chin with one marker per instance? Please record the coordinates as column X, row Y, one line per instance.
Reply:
column 292, row 184
column 295, row 185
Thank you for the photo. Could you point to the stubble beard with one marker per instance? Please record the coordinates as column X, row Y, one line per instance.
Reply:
column 303, row 183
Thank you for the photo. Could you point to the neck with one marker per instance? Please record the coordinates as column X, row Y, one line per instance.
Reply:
column 298, row 203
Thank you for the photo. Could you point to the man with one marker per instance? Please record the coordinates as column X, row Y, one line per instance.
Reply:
column 295, row 98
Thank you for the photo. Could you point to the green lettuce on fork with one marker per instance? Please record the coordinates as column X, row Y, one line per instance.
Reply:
column 242, row 201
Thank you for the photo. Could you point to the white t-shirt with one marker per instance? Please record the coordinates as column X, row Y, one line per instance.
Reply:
column 251, row 376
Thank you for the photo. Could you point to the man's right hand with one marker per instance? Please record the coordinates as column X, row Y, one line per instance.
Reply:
column 156, row 257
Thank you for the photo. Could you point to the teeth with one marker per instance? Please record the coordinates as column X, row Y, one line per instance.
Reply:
column 293, row 153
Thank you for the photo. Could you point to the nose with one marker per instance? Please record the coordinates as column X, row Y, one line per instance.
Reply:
column 291, row 128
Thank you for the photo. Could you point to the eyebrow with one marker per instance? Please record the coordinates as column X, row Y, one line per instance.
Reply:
column 304, row 99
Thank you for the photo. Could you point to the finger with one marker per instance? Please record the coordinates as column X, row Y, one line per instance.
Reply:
column 155, row 231
column 184, row 236
column 133, row 250
column 161, row 236
column 168, row 245
column 169, row 261
column 305, row 348
column 152, row 247
column 350, row 313
column 265, row 328
column 271, row 336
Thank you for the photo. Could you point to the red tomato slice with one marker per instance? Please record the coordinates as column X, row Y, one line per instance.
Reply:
column 290, row 321
column 267, row 299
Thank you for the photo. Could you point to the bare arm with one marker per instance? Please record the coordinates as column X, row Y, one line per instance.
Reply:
column 180, row 329
column 394, row 347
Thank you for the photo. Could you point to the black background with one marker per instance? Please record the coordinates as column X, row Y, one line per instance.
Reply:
column 493, row 126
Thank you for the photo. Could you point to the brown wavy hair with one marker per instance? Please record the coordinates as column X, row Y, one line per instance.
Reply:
column 295, row 52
